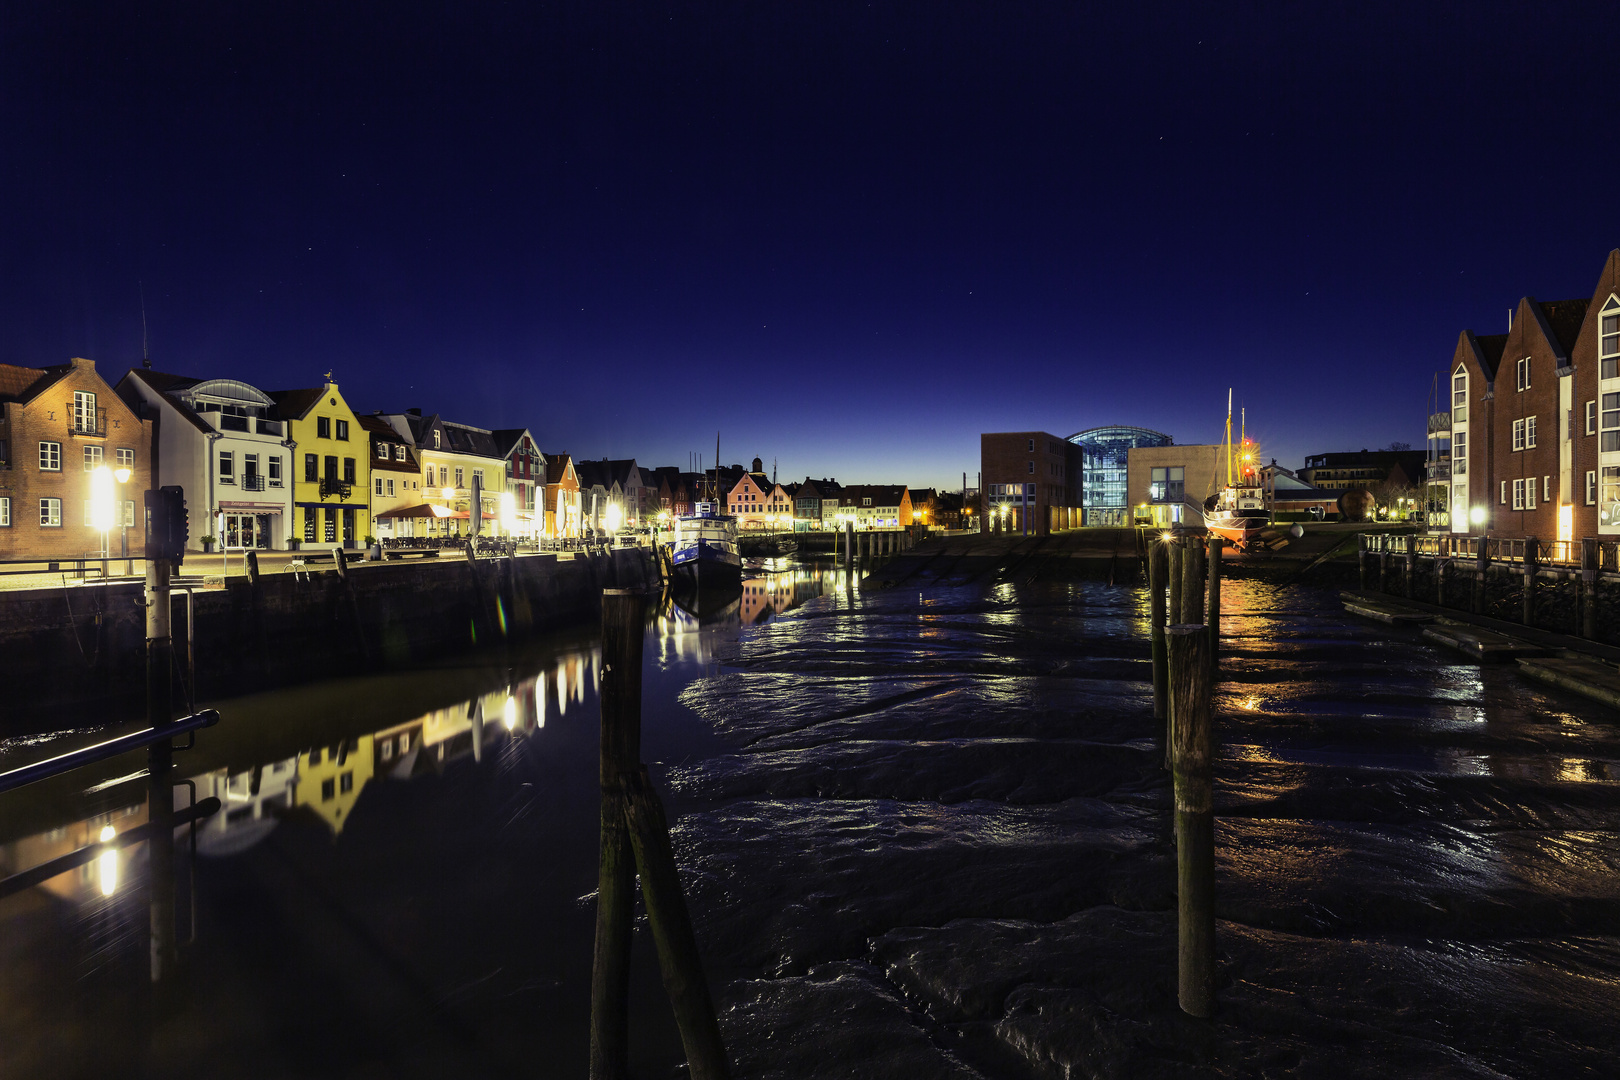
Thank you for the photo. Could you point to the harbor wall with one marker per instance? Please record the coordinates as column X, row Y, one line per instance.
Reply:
column 70, row 648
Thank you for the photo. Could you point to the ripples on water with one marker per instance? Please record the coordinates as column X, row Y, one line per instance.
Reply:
column 925, row 836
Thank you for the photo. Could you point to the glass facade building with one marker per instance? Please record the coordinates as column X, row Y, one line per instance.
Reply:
column 1104, row 452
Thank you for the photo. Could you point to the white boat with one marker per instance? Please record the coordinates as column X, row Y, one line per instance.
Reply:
column 704, row 553
column 1237, row 512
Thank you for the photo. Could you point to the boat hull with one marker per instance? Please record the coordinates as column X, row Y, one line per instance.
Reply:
column 1241, row 531
column 716, row 571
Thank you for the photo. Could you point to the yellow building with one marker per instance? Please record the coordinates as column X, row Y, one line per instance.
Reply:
column 331, row 473
column 451, row 456
column 330, row 779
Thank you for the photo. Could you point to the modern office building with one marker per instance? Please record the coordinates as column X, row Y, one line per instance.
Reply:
column 1104, row 481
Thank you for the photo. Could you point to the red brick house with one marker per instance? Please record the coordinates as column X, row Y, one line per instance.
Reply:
column 57, row 425
column 1596, row 407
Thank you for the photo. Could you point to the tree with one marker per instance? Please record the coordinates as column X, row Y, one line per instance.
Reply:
column 1399, row 446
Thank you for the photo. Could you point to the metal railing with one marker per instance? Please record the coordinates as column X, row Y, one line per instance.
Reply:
column 229, row 422
column 252, row 482
column 89, row 755
column 81, row 422
column 331, row 485
column 268, row 427
column 1505, row 549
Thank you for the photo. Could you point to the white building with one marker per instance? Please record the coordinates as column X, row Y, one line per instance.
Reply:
column 221, row 441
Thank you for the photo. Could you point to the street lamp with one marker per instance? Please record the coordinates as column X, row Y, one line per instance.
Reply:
column 102, row 496
column 508, row 512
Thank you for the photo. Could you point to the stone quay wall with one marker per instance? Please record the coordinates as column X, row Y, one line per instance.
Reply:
column 65, row 649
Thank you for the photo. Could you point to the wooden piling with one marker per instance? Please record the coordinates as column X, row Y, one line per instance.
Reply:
column 1216, row 546
column 1532, row 554
column 1192, row 769
column 1383, row 568
column 1482, row 567
column 1158, row 572
column 1589, row 573
column 252, row 563
column 1177, row 550
column 1361, row 561
column 678, row 958
column 1441, row 565
column 623, row 616
column 1192, row 584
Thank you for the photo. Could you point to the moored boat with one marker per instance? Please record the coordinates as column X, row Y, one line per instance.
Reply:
column 1237, row 512
column 704, row 553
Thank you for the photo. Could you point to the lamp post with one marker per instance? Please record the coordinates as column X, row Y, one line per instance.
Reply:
column 102, row 496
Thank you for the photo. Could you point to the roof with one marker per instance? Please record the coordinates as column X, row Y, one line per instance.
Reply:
column 25, row 383
column 1561, row 321
column 880, row 494
column 1490, row 348
column 649, row 478
column 295, row 404
column 557, row 462
column 593, row 474
column 1117, row 434
column 506, row 439
column 168, row 388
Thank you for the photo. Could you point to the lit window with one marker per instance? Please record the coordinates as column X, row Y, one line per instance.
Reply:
column 92, row 458
column 1459, row 397
column 50, row 513
column 1591, row 488
column 50, row 456
column 84, row 411
column 1609, row 496
column 435, row 438
column 1546, row 489
column 399, row 452
column 1459, row 453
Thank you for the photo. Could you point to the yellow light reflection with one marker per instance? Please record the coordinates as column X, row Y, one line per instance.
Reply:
column 108, row 863
column 509, row 713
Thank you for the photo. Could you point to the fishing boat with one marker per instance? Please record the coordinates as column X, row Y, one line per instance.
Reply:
column 1237, row 512
column 704, row 552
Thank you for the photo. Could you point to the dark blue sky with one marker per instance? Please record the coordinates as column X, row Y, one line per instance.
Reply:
column 849, row 237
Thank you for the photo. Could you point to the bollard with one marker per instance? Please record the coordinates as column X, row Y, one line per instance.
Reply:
column 1158, row 571
column 251, row 559
column 622, row 618
column 849, row 544
column 1482, row 567
column 1589, row 573
column 1216, row 546
column 1192, row 769
column 1192, row 584
column 1532, row 555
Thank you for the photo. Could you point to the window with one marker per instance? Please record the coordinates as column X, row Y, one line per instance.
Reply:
column 1546, row 489
column 331, row 467
column 1459, row 452
column 1529, row 433
column 399, row 451
column 388, row 749
column 343, row 430
column 430, row 476
column 5, row 512
column 50, row 513
column 1591, row 488
column 328, row 790
column 1521, row 375
column 1032, row 446
column 405, row 742
column 50, row 455
column 460, row 477
column 1518, row 494
column 1459, row 397
column 1530, row 493
column 444, row 477
column 382, row 451
column 323, row 427
column 389, row 485
column 1168, row 484
column 1609, row 340
column 866, row 502
column 436, row 439
column 346, row 782
column 1610, row 416
column 89, row 515
column 1029, row 489
column 1518, row 435
column 377, row 481
column 478, row 478
column 84, row 411
column 1504, row 493
column 1609, row 496
column 92, row 458
column 312, row 470
column 227, row 467
column 275, row 470
column 1032, row 466
column 128, row 519
column 1591, row 418
column 309, row 526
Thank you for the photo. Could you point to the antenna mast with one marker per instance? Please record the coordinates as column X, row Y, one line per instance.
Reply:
column 146, row 355
column 1228, row 436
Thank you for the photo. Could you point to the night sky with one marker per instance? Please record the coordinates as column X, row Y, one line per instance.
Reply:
column 849, row 237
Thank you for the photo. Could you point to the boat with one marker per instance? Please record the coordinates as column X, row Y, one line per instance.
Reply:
column 1237, row 512
column 771, row 546
column 704, row 553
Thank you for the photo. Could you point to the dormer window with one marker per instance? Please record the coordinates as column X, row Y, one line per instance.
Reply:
column 1521, row 375
column 1609, row 340
column 399, row 452
column 435, row 438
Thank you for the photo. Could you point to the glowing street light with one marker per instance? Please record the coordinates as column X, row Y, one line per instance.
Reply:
column 508, row 514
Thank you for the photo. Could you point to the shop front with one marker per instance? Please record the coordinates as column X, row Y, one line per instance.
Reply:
column 244, row 525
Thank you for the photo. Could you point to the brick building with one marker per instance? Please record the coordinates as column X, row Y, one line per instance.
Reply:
column 1534, row 422
column 57, row 425
column 1031, row 482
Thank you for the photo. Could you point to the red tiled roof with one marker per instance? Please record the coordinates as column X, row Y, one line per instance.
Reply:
column 16, row 382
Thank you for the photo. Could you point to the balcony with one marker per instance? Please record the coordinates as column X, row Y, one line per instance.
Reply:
column 1440, row 470
column 227, row 422
column 1440, row 421
column 252, row 483
column 269, row 427
column 82, row 423
column 331, row 485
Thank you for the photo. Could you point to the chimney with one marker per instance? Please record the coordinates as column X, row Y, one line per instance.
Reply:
column 413, row 412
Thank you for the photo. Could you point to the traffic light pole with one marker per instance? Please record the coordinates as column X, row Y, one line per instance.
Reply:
column 160, row 762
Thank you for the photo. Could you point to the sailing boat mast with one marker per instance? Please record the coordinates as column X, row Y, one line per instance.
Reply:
column 1228, row 436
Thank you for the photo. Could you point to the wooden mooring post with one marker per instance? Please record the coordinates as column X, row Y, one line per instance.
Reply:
column 1192, row 771
column 1531, row 555
column 1216, row 546
column 635, row 838
column 1177, row 552
column 1441, row 565
column 1192, row 583
column 1158, row 573
column 1589, row 573
column 1482, row 566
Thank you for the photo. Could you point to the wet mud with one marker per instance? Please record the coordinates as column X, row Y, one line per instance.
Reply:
column 937, row 844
